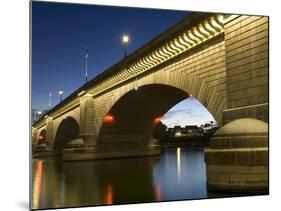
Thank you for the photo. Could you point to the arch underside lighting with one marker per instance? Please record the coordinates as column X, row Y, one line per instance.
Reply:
column 209, row 28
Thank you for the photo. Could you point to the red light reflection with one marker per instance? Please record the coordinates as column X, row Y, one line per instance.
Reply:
column 108, row 199
column 158, row 192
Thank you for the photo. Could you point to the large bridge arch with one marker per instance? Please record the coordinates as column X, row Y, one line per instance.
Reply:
column 130, row 121
column 201, row 72
column 67, row 130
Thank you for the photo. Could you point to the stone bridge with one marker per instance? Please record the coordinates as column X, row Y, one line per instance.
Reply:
column 220, row 59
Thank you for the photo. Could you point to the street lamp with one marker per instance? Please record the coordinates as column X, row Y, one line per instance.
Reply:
column 49, row 94
column 61, row 94
column 37, row 114
column 125, row 40
column 86, row 65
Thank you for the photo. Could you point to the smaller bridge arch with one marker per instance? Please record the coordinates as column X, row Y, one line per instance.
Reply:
column 67, row 130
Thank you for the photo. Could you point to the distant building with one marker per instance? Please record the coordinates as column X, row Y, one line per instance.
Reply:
column 160, row 131
column 171, row 132
column 189, row 130
column 192, row 130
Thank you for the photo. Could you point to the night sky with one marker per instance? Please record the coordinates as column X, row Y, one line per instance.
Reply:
column 62, row 32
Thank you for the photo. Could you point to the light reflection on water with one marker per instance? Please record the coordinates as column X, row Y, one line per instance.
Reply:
column 108, row 199
column 178, row 163
column 37, row 183
column 179, row 173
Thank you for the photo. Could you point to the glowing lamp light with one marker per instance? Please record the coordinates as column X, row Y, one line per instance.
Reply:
column 40, row 137
column 108, row 118
column 136, row 88
column 157, row 119
column 189, row 95
column 125, row 39
column 39, row 112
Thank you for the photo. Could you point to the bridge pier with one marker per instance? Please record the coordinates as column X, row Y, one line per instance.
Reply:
column 88, row 153
column 87, row 120
column 237, row 159
column 50, row 132
column 86, row 134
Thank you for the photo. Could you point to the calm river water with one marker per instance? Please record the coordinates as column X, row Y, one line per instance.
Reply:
column 178, row 173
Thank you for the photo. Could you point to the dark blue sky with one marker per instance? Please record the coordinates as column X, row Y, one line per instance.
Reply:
column 61, row 33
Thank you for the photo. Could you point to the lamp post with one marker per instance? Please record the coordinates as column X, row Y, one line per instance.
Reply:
column 50, row 100
column 86, row 66
column 125, row 40
column 61, row 94
column 45, row 93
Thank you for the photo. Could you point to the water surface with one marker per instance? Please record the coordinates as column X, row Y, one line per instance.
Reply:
column 178, row 173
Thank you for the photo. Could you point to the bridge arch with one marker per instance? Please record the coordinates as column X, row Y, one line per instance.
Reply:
column 67, row 130
column 132, row 118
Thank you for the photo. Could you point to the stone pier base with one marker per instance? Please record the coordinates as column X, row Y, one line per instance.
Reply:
column 90, row 153
column 237, row 159
column 42, row 151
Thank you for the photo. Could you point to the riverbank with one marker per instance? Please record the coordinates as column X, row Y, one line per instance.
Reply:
column 186, row 142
